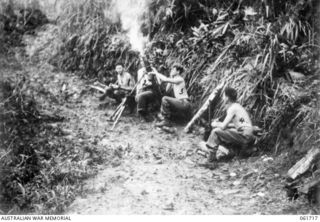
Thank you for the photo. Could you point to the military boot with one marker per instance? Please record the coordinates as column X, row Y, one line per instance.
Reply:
column 164, row 122
column 210, row 163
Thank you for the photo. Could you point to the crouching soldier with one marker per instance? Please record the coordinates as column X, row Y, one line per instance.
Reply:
column 146, row 93
column 236, row 129
column 179, row 104
column 125, row 83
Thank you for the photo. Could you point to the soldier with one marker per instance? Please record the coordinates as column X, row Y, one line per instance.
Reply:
column 179, row 104
column 236, row 129
column 125, row 83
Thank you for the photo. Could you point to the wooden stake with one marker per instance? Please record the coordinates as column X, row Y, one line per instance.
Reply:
column 204, row 107
column 115, row 113
column 118, row 116
column 98, row 88
column 304, row 164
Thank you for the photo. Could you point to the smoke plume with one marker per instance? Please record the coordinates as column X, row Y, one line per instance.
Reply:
column 130, row 12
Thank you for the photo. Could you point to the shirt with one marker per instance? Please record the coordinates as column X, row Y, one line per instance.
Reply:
column 241, row 119
column 179, row 90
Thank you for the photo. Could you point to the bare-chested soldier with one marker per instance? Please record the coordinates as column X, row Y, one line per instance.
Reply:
column 125, row 84
column 236, row 128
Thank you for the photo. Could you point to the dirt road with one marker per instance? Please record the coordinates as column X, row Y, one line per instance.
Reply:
column 156, row 173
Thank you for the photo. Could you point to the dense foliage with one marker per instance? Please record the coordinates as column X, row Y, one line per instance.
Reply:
column 268, row 58
column 40, row 167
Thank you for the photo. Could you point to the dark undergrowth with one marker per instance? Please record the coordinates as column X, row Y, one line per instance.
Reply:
column 41, row 169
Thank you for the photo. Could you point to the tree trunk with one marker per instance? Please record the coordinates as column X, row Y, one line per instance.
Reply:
column 304, row 164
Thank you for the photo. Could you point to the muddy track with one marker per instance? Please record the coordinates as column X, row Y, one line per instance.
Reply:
column 153, row 172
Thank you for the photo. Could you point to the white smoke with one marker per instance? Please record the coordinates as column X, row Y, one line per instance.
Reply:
column 130, row 12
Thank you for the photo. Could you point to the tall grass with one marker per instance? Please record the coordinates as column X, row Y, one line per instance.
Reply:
column 40, row 170
column 262, row 53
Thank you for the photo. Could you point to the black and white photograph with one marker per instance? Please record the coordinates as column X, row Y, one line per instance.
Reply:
column 159, row 107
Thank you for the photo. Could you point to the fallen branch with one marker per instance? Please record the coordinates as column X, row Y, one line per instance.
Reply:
column 204, row 107
column 304, row 164
column 98, row 88
column 4, row 155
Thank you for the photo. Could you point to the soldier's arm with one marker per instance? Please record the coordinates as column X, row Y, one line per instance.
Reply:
column 168, row 87
column 227, row 121
column 132, row 82
column 167, row 79
column 140, row 81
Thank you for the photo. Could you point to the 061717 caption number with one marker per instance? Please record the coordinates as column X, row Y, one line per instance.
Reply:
column 309, row 218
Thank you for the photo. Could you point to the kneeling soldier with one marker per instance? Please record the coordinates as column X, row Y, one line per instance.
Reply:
column 146, row 93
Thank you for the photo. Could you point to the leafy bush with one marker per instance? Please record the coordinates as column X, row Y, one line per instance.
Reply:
column 266, row 61
column 91, row 40
column 16, row 20
column 40, row 169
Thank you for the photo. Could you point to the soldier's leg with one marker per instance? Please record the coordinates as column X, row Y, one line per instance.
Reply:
column 181, row 109
column 172, row 105
column 142, row 101
column 109, row 93
column 227, row 136
column 166, row 106
column 166, row 111
column 131, row 103
column 118, row 95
